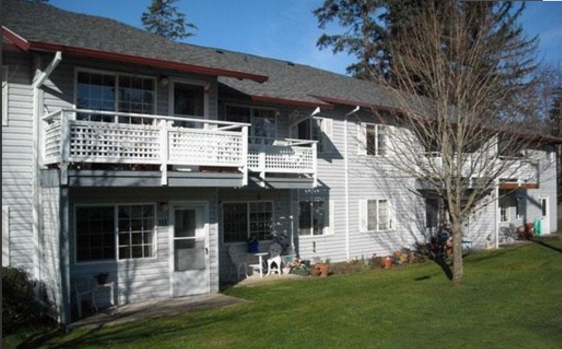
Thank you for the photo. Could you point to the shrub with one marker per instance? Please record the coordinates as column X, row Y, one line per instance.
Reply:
column 19, row 306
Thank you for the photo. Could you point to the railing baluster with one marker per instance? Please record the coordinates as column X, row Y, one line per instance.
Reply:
column 164, row 146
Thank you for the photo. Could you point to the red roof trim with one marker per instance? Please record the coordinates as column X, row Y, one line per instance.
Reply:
column 291, row 102
column 17, row 40
column 78, row 51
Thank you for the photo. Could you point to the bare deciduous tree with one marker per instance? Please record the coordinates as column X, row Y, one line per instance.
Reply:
column 477, row 124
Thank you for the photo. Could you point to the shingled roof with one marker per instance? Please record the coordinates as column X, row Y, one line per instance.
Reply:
column 45, row 27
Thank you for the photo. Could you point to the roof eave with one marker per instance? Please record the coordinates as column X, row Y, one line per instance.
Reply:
column 26, row 45
column 292, row 102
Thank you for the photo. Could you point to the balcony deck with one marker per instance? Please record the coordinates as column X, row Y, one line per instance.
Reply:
column 176, row 148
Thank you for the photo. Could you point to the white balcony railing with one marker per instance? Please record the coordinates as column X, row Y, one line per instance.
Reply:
column 154, row 140
column 71, row 137
column 284, row 156
column 511, row 168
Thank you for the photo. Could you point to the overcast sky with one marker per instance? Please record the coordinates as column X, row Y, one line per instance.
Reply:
column 287, row 29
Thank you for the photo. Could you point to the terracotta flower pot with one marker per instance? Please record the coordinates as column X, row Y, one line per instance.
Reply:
column 387, row 263
column 323, row 269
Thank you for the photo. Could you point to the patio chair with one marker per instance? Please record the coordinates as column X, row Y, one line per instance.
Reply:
column 238, row 259
column 274, row 258
column 82, row 291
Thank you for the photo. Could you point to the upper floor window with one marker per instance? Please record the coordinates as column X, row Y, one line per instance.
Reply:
column 114, row 92
column 263, row 128
column 115, row 232
column 4, row 95
column 372, row 139
column 375, row 215
column 318, row 129
column 188, row 100
column 244, row 219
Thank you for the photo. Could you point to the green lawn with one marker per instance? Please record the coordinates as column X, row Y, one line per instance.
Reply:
column 511, row 298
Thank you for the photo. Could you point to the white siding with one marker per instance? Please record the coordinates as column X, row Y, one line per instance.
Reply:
column 17, row 160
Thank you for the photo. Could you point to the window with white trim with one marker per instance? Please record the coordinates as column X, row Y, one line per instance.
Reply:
column 4, row 95
column 317, row 129
column 312, row 218
column 376, row 215
column 372, row 139
column 112, row 232
column 115, row 92
column 504, row 209
column 240, row 220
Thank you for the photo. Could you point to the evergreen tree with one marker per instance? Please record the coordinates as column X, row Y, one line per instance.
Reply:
column 363, row 37
column 164, row 19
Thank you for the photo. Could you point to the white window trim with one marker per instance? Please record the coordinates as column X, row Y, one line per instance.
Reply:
column 116, row 234
column 5, row 92
column 326, row 133
column 364, row 215
column 329, row 220
column 247, row 202
column 116, row 75
column 362, row 139
column 503, row 205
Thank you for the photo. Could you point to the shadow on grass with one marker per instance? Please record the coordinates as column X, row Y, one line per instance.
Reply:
column 544, row 244
column 138, row 330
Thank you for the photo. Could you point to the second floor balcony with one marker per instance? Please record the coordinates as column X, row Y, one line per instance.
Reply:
column 511, row 171
column 113, row 141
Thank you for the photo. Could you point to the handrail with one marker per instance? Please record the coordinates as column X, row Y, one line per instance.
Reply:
column 145, row 116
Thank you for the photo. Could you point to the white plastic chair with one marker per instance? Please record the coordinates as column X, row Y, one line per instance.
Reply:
column 274, row 258
column 238, row 258
column 82, row 290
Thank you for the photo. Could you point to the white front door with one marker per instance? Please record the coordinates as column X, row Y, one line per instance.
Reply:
column 545, row 215
column 189, row 249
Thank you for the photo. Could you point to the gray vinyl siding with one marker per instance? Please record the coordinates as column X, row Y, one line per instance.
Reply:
column 17, row 160
column 143, row 279
column 547, row 188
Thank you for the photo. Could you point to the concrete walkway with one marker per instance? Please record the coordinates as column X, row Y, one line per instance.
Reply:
column 154, row 309
column 172, row 306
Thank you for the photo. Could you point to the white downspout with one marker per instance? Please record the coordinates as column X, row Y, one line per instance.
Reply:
column 496, row 216
column 346, row 179
column 36, row 158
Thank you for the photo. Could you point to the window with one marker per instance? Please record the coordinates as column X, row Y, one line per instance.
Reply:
column 317, row 129
column 242, row 220
column 112, row 92
column 372, row 139
column 312, row 218
column 136, row 231
column 188, row 101
column 263, row 129
column 504, row 209
column 97, row 227
column 431, row 213
column 4, row 95
column 375, row 215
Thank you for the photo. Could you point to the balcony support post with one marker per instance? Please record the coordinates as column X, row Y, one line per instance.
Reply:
column 65, row 147
column 314, row 165
column 164, row 151
column 244, row 156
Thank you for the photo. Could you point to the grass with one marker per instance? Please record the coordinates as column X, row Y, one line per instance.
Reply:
column 511, row 298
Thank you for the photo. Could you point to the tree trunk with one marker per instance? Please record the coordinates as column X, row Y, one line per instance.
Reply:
column 457, row 253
